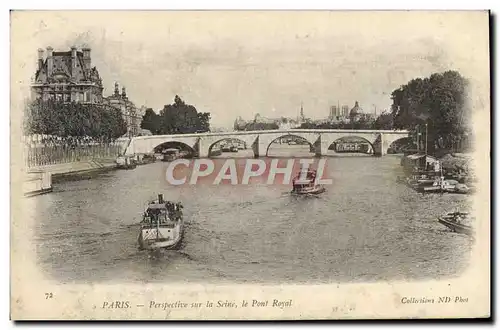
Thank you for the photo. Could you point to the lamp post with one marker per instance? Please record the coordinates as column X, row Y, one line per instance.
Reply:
column 418, row 139
column 426, row 131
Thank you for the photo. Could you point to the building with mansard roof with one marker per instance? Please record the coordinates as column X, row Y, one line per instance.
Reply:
column 67, row 76
column 131, row 114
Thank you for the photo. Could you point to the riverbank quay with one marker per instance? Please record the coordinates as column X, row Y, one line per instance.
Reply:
column 37, row 183
column 75, row 170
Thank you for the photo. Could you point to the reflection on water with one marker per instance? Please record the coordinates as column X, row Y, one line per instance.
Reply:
column 366, row 227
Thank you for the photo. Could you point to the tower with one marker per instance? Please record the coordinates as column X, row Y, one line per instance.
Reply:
column 40, row 58
column 50, row 60
column 86, row 58
column 345, row 111
column 73, row 61
column 302, row 112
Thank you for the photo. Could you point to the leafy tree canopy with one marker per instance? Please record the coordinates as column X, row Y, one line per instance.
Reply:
column 176, row 118
column 438, row 101
column 74, row 120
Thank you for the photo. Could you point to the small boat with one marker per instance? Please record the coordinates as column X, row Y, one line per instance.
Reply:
column 146, row 159
column 162, row 226
column 126, row 163
column 229, row 148
column 447, row 186
column 307, row 186
column 215, row 152
column 430, row 189
column 170, row 154
column 460, row 222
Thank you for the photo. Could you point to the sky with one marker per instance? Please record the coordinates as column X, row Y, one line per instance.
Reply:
column 238, row 63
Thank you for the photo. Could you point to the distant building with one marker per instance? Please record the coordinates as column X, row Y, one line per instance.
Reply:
column 334, row 112
column 283, row 122
column 321, row 121
column 302, row 117
column 339, row 114
column 345, row 111
column 131, row 114
column 356, row 112
column 260, row 119
column 288, row 123
column 67, row 76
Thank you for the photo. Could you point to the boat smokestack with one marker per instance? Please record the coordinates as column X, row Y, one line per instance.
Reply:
column 160, row 199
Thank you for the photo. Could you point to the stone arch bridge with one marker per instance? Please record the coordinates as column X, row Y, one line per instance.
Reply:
column 319, row 139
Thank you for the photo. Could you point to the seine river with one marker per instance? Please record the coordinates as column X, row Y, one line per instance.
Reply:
column 366, row 227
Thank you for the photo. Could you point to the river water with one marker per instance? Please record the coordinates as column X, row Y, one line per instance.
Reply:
column 366, row 227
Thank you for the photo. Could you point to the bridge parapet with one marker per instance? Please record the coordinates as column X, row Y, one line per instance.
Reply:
column 260, row 140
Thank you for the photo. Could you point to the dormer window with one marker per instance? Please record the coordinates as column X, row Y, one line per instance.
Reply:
column 59, row 76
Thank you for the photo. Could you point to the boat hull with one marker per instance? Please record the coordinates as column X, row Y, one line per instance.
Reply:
column 146, row 243
column 439, row 189
column 456, row 227
column 312, row 191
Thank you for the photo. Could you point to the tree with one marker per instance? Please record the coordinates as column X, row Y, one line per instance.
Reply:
column 74, row 121
column 384, row 121
column 203, row 121
column 439, row 102
column 151, row 121
column 113, row 124
column 182, row 118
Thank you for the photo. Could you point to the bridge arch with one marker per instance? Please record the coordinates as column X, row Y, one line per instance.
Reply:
column 396, row 146
column 351, row 144
column 287, row 138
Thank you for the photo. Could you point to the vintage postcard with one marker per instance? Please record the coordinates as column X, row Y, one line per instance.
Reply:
column 250, row 165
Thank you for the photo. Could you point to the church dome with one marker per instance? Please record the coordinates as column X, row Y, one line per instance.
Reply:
column 356, row 110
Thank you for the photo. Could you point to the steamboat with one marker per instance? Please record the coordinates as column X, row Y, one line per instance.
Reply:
column 162, row 226
column 305, row 184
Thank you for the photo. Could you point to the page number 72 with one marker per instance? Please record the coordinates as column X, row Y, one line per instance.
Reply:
column 49, row 295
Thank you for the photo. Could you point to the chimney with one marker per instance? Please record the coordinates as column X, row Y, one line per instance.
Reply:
column 50, row 61
column 40, row 58
column 124, row 93
column 73, row 60
column 117, row 91
column 86, row 57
